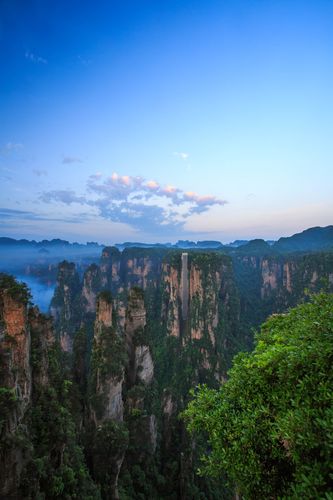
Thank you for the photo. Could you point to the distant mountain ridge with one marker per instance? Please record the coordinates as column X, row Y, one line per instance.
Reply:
column 56, row 242
column 310, row 240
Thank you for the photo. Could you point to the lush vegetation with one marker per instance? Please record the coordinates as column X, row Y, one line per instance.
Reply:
column 270, row 426
column 16, row 290
column 267, row 440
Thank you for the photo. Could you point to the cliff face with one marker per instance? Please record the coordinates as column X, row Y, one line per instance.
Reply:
column 171, row 298
column 121, row 369
column 16, row 342
column 108, row 360
column 66, row 304
column 140, row 367
column 92, row 285
column 274, row 283
column 39, row 455
column 110, row 268
column 198, row 299
column 15, row 380
column 147, row 326
column 132, row 267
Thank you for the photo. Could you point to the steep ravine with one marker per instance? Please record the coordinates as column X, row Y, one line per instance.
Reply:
column 130, row 340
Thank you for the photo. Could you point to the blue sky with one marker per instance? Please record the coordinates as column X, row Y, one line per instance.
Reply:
column 159, row 120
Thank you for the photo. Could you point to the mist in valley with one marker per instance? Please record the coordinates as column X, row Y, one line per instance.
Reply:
column 42, row 293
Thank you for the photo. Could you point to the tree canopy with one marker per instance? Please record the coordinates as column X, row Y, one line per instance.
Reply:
column 270, row 426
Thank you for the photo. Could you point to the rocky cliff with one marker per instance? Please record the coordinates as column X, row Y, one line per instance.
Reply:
column 174, row 320
column 15, row 380
column 270, row 284
column 137, row 333
column 66, row 304
column 39, row 455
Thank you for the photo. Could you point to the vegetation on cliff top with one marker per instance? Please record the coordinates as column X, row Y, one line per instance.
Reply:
column 16, row 290
column 269, row 426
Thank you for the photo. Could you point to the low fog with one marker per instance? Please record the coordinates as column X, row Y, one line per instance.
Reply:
column 41, row 293
column 36, row 264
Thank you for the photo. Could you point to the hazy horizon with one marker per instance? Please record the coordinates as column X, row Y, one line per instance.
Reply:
column 160, row 121
column 161, row 241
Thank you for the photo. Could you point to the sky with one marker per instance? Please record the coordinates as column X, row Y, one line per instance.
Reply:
column 155, row 120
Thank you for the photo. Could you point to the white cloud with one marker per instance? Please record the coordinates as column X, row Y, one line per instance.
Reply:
column 182, row 156
column 34, row 58
column 144, row 205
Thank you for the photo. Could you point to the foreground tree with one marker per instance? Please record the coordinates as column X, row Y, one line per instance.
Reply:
column 270, row 426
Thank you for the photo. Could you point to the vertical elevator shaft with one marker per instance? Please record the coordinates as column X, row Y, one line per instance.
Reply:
column 184, row 286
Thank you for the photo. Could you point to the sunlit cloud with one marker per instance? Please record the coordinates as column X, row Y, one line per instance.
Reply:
column 153, row 185
column 144, row 205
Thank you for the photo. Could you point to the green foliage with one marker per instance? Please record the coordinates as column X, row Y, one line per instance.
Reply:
column 109, row 354
column 109, row 442
column 16, row 290
column 56, row 468
column 106, row 296
column 67, row 300
column 108, row 359
column 8, row 402
column 140, row 337
column 270, row 425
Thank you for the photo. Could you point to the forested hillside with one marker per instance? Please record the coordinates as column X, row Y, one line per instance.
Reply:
column 93, row 402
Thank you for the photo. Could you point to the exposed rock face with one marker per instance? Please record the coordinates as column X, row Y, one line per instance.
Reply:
column 43, row 338
column 110, row 269
column 287, row 273
column 271, row 275
column 66, row 307
column 143, row 364
column 15, row 379
column 16, row 341
column 272, row 284
column 136, row 312
column 107, row 379
column 103, row 314
column 149, row 350
column 132, row 267
column 141, row 367
column 108, row 382
column 184, row 286
column 171, row 295
column 92, row 285
column 140, row 268
column 205, row 293
column 138, row 271
column 23, row 333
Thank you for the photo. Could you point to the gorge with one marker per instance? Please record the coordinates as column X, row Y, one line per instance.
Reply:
column 91, row 396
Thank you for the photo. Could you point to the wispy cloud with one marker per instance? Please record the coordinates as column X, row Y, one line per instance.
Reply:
column 39, row 172
column 143, row 204
column 84, row 61
column 8, row 214
column 9, row 147
column 182, row 156
column 71, row 159
column 30, row 56
column 64, row 196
